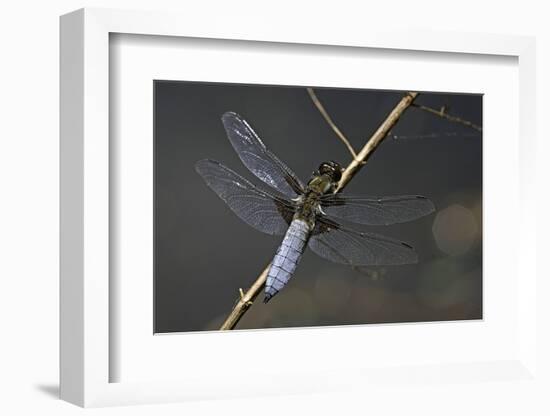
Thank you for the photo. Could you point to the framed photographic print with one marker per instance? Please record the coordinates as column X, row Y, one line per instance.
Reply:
column 292, row 203
column 358, row 276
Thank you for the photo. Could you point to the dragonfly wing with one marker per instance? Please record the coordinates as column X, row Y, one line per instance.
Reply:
column 371, row 210
column 262, row 210
column 336, row 243
column 258, row 159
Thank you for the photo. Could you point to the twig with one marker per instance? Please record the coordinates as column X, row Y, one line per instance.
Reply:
column 432, row 135
column 443, row 113
column 247, row 299
column 245, row 302
column 329, row 121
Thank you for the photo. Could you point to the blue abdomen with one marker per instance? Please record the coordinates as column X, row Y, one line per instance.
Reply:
column 286, row 260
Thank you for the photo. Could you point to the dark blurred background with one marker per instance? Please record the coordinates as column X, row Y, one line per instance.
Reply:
column 204, row 253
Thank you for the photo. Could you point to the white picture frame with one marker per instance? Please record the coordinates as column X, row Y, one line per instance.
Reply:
column 86, row 165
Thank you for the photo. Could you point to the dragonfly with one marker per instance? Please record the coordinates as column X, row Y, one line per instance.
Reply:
column 310, row 214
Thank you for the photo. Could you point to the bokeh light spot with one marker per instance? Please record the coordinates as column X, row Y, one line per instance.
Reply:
column 455, row 229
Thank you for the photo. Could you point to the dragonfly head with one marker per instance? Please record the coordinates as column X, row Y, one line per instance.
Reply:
column 331, row 169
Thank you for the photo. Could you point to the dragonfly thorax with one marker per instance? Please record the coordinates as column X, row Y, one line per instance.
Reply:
column 326, row 178
column 320, row 185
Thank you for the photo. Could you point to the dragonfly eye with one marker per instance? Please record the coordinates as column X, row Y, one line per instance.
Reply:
column 332, row 169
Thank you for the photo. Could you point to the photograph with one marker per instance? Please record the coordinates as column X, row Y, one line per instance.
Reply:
column 291, row 206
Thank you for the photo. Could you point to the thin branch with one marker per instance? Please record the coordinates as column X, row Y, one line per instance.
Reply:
column 247, row 298
column 443, row 113
column 433, row 135
column 329, row 121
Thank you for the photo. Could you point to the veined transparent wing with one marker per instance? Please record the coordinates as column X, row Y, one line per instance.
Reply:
column 262, row 210
column 258, row 159
column 336, row 243
column 371, row 210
